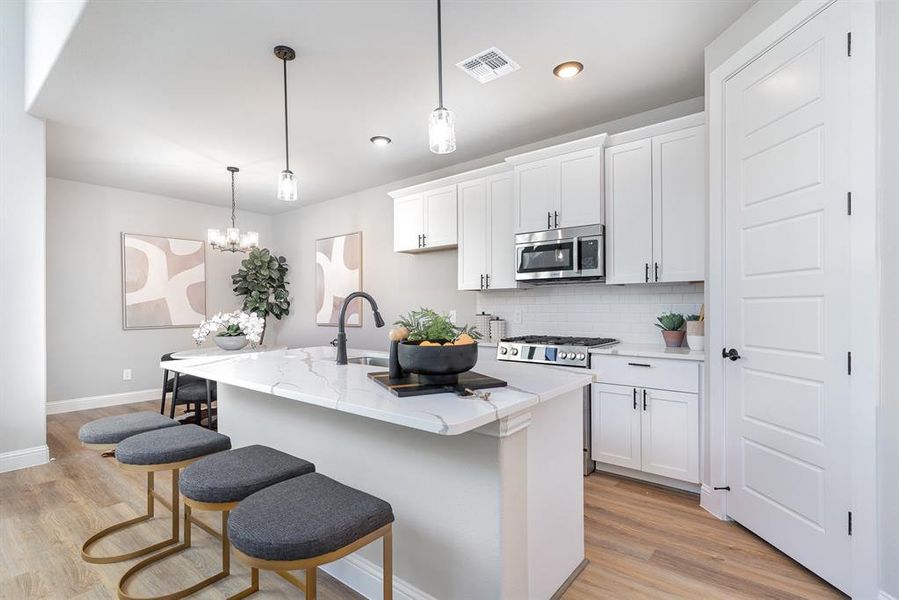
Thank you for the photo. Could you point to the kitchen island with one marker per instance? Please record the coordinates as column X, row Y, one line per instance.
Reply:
column 488, row 494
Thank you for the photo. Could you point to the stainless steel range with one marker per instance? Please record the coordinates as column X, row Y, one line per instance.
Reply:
column 551, row 349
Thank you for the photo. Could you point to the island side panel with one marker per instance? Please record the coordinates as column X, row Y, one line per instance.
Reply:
column 446, row 491
column 555, row 492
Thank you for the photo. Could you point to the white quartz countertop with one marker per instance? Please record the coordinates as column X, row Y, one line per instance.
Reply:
column 651, row 351
column 312, row 376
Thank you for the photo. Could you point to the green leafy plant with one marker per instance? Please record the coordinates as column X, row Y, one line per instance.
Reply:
column 670, row 321
column 427, row 325
column 261, row 280
column 230, row 331
column 692, row 317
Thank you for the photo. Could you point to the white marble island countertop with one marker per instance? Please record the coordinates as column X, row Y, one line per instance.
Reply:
column 312, row 376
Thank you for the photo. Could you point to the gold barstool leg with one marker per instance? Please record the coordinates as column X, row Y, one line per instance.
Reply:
column 182, row 593
column 311, row 583
column 151, row 496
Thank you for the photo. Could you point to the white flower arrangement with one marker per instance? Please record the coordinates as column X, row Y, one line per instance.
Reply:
column 231, row 324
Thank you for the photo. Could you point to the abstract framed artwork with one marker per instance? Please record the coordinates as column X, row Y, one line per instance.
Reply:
column 338, row 272
column 163, row 282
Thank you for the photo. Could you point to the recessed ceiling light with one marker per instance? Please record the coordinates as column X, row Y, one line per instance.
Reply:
column 567, row 70
column 380, row 140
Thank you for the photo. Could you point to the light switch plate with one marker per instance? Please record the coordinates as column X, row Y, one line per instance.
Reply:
column 126, row 374
column 516, row 315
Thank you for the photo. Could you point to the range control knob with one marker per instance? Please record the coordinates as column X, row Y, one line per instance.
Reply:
column 503, row 350
column 580, row 356
column 563, row 355
column 514, row 351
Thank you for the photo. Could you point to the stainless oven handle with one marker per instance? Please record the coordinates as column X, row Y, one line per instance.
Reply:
column 575, row 254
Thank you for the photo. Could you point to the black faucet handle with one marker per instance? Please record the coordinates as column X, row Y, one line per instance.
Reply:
column 334, row 342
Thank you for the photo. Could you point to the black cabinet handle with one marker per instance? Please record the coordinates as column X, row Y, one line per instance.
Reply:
column 657, row 271
column 556, row 213
column 482, row 281
column 635, row 398
column 638, row 365
column 644, row 399
column 646, row 272
column 424, row 240
column 549, row 222
column 487, row 281
column 419, row 240
column 731, row 354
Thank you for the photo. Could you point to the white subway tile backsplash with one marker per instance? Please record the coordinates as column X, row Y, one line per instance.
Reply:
column 623, row 312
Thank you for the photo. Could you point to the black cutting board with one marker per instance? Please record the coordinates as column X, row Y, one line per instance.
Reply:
column 411, row 386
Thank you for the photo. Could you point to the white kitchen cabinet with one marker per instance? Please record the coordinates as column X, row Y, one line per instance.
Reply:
column 629, row 212
column 678, row 205
column 670, row 434
column 616, row 425
column 425, row 221
column 486, row 238
column 655, row 195
column 559, row 186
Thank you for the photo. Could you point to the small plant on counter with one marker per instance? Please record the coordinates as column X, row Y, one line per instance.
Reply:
column 670, row 321
column 692, row 317
column 430, row 328
column 231, row 325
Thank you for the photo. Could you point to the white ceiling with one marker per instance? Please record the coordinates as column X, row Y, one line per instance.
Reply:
column 160, row 96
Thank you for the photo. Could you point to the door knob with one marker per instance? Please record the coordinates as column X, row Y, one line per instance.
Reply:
column 731, row 354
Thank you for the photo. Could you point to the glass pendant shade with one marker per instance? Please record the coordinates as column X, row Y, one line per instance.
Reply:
column 442, row 131
column 249, row 240
column 287, row 186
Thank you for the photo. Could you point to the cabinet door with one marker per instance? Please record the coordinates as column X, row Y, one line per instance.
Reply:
column 628, row 173
column 671, row 434
column 408, row 222
column 616, row 425
column 678, row 199
column 580, row 188
column 473, row 234
column 440, row 217
column 536, row 195
column 501, row 233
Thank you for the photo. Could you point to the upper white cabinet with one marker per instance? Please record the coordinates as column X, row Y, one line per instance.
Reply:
column 425, row 220
column 486, row 238
column 559, row 186
column 655, row 195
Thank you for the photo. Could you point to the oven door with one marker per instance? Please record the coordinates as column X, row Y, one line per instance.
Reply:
column 554, row 259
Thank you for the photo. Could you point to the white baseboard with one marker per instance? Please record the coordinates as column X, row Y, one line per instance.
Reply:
column 884, row 596
column 26, row 457
column 713, row 501
column 366, row 578
column 88, row 402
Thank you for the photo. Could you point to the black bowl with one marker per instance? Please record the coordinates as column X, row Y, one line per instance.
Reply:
column 439, row 365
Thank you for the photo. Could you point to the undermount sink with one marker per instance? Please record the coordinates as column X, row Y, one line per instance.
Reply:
column 371, row 361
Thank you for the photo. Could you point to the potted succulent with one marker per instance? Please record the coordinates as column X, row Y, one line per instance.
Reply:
column 696, row 332
column 262, row 281
column 671, row 325
column 434, row 348
column 232, row 331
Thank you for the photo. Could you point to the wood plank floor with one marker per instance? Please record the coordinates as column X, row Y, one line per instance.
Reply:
column 642, row 541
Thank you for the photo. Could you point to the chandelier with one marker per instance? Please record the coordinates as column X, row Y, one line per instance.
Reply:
column 232, row 240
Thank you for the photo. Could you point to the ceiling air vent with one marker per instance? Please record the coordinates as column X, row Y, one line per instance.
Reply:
column 488, row 65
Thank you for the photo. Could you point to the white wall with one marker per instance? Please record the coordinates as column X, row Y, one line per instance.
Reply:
column 48, row 24
column 22, row 271
column 888, row 200
column 87, row 349
column 399, row 282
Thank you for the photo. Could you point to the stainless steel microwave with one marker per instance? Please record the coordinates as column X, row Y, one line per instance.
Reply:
column 561, row 255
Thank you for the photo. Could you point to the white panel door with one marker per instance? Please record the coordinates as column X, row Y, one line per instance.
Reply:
column 580, row 188
column 628, row 212
column 440, row 217
column 501, row 234
column 670, row 434
column 408, row 223
column 678, row 201
column 786, row 295
column 473, row 232
column 536, row 195
column 616, row 425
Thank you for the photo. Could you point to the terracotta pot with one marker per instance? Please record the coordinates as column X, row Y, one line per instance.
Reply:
column 673, row 339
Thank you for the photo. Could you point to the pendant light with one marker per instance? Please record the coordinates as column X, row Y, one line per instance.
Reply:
column 287, row 183
column 232, row 240
column 441, row 126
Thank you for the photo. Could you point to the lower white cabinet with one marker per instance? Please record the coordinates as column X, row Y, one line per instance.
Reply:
column 646, row 429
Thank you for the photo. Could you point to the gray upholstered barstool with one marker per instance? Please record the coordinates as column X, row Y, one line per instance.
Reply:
column 167, row 449
column 306, row 522
column 104, row 435
column 218, row 483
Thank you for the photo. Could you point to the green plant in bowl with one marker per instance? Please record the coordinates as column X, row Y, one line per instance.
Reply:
column 427, row 325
